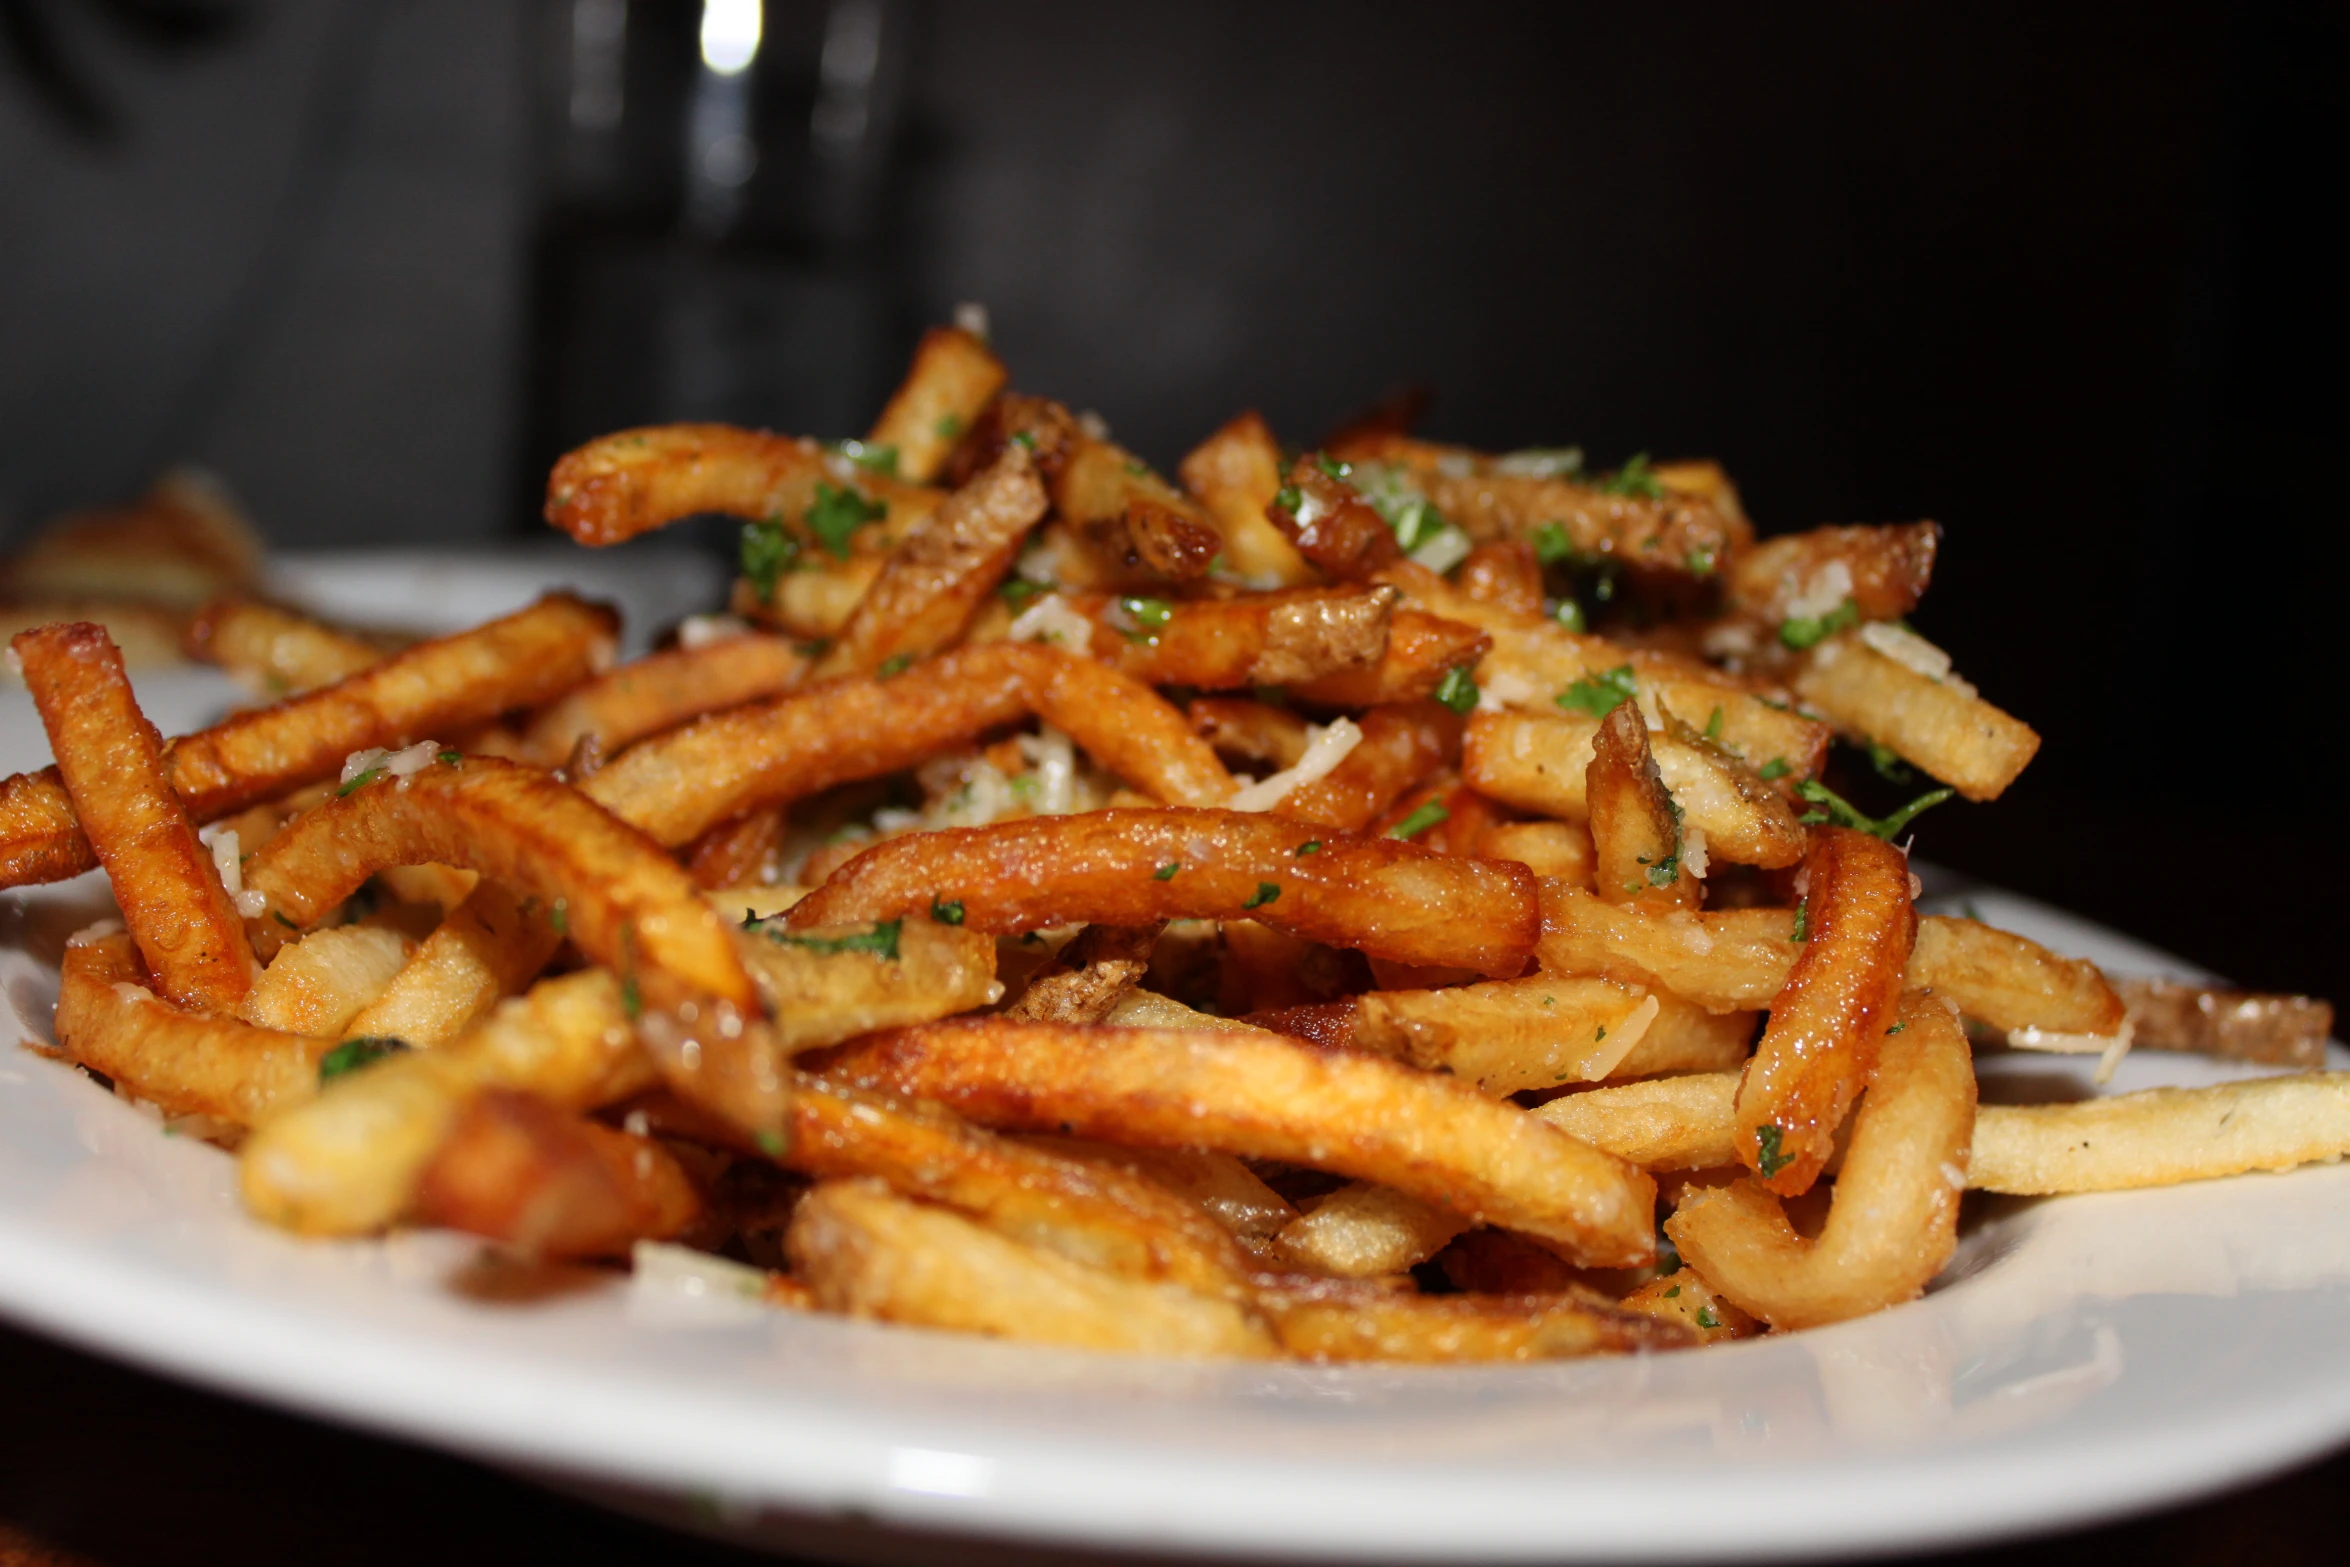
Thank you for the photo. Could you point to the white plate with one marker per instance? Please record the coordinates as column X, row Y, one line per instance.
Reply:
column 2084, row 1357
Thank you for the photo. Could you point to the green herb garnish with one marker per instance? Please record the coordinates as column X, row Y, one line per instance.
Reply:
column 1017, row 591
column 1149, row 615
column 360, row 782
column 1025, row 441
column 1713, row 724
column 1888, row 763
column 881, row 940
column 1634, row 478
column 838, row 513
column 451, row 758
column 895, row 664
column 1288, row 498
column 1570, row 615
column 947, row 911
column 1701, row 560
column 1600, row 695
column 1457, row 690
column 1776, row 767
column 1332, row 466
column 1767, row 1158
column 766, row 552
column 1802, row 931
column 1706, row 1317
column 1310, row 846
column 874, row 459
column 1552, row 544
column 1266, row 892
column 1833, row 807
column 947, row 428
column 559, row 917
column 1802, row 631
column 352, row 1054
column 1429, row 814
column 1896, row 1028
column 771, row 1143
column 1167, row 871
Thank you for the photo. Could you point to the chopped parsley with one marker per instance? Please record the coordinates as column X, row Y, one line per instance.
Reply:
column 1802, row 631
column 895, row 664
column 1767, row 1158
column 1148, row 616
column 1665, row 871
column 837, row 513
column 352, row 1054
column 771, row 1143
column 1288, row 498
column 1167, row 871
column 560, row 916
column 1137, row 468
column 360, row 782
column 1896, row 1028
column 1600, row 695
column 1706, row 1317
column 1802, row 931
column 452, row 758
column 1310, row 846
column 766, row 552
column 1713, row 724
column 1025, row 441
column 874, row 459
column 1332, row 466
column 632, row 1000
column 1599, row 1035
column 1570, row 615
column 1017, row 591
column 1888, row 763
column 947, row 911
column 881, row 940
column 1776, row 767
column 1266, row 892
column 1674, row 1291
column 280, row 916
column 948, row 427
column 1552, row 544
column 1701, row 560
column 1457, row 690
column 1634, row 478
column 1833, row 807
column 1428, row 815
column 1416, row 521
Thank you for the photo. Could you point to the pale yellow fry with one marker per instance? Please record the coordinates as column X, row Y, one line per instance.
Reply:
column 319, row 983
column 2162, row 1136
column 485, row 950
column 1544, row 1030
column 1938, row 725
column 1365, row 1231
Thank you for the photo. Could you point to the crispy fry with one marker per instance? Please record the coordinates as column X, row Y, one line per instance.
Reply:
column 1262, row 639
column 274, row 652
column 347, row 1163
column 1264, row 1096
column 1551, row 850
column 1153, row 543
column 1235, row 473
column 1829, row 1020
column 2010, row 982
column 814, row 599
column 1340, row 1320
column 1894, row 1221
column 1382, row 897
column 1936, row 723
column 648, row 695
column 1331, row 524
column 623, row 901
column 1495, row 1262
column 189, row 1064
column 1667, row 1123
column 1266, row 737
column 1219, row 1184
column 1505, row 574
column 1361, row 1231
column 1683, row 1296
column 948, row 386
column 544, row 1182
column 621, row 485
column 1539, row 1032
column 450, row 684
column 2277, row 1030
column 825, row 985
column 1421, row 650
column 682, row 784
column 1402, row 745
column 2161, row 1136
column 739, row 853
column 318, row 984
column 868, row 1253
column 943, row 571
column 487, row 948
column 1882, row 571
column 1539, row 763
column 1635, row 827
column 112, row 765
column 1089, row 976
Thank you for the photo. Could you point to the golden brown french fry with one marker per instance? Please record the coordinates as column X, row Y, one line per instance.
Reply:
column 1495, row 1262
column 866, row 1252
column 1331, row 524
column 274, row 652
column 1403, row 745
column 1089, row 976
column 318, row 984
column 1506, row 574
column 1894, row 1220
column 487, row 948
column 1539, row 763
column 1342, row 1320
column 1881, row 571
column 2277, row 1030
column 630, row 482
column 739, row 853
column 544, row 1182
column 111, row 762
column 1510, row 1035
column 947, row 387
column 1551, row 850
column 1220, row 1185
column 1098, row 482
column 1421, row 650
column 660, row 691
column 448, row 685
column 187, row 1063
column 943, row 570
column 347, row 1162
column 2010, row 982
column 1829, row 1020
column 1258, row 639
column 619, row 897
column 680, row 785
column 1263, row 1096
column 1362, row 1231
column 1235, row 473
column 1683, row 1296
column 1266, row 737
column 1935, row 722
column 816, row 597
column 2161, row 1136
column 1148, row 543
column 1635, row 827
column 828, row 984
column 1383, row 897
column 1666, row 1123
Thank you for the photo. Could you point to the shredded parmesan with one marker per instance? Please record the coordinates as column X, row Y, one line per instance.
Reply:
column 1620, row 1040
column 15, row 663
column 1503, row 688
column 418, row 757
column 1093, row 424
column 1912, row 652
column 90, row 934
column 1326, row 747
column 1829, row 587
column 1693, row 850
column 252, row 903
column 360, row 761
column 1440, row 554
column 971, row 317
column 1953, row 1176
column 226, row 861
column 1051, row 619
column 1052, row 762
column 699, row 631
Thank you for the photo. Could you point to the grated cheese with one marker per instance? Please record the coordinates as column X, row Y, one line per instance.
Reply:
column 1621, row 1039
column 1051, row 619
column 699, row 631
column 1829, row 587
column 1440, row 554
column 1693, row 850
column 418, row 757
column 1326, row 747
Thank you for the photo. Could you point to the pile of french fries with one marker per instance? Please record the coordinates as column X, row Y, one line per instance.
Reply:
column 1325, row 905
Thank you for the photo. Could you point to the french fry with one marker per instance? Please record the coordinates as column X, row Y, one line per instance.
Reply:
column 1342, row 1320
column 318, row 984
column 1220, row 1185
column 1331, row 524
column 1510, row 1035
column 1683, row 1296
column 1402, row 745
column 1882, row 571
column 1382, row 897
column 618, row 486
column 1264, row 736
column 647, row 695
column 1361, row 1231
column 1495, row 1262
column 825, row 985
column 2245, row 1025
column 1235, row 473
column 1828, row 1021
column 1635, row 827
column 2161, row 1136
column 1894, row 1220
column 274, row 652
column 1551, row 850
column 739, row 853
column 1666, row 1123
column 111, row 763
column 487, row 948
column 948, row 386
column 866, row 1252
column 620, row 898
column 448, row 685
column 1151, row 543
column 1539, row 763
column 187, row 1063
column 682, row 784
column 1262, row 1096
column 1260, row 639
column 2010, row 982
column 941, row 573
column 347, row 1162
column 1421, row 650
column 1936, row 723
column 1089, row 976
column 1505, row 574
column 543, row 1182
column 815, row 598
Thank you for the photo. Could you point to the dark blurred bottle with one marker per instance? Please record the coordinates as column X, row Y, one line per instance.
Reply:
column 716, row 224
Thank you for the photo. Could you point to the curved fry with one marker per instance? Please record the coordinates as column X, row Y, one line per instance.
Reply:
column 661, row 691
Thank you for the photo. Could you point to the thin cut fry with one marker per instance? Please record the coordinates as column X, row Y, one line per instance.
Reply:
column 1510, row 1035
column 953, row 376
column 1263, row 1096
column 1361, row 1231
column 1683, row 1296
column 1338, row 1320
column 1260, row 639
column 1382, row 897
column 624, row 484
column 317, row 985
column 1402, row 746
column 825, row 985
column 1635, row 826
column 1667, row 1123
column 1883, row 571
column 111, row 762
column 2277, row 1030
column 1089, row 976
column 2010, row 982
column 1421, row 651
column 544, row 1182
column 274, row 652
column 661, row 691
column 487, row 948
column 1937, row 723
column 2161, row 1136
column 1235, row 473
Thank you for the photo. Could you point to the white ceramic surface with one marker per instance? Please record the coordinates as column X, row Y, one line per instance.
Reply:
column 2083, row 1357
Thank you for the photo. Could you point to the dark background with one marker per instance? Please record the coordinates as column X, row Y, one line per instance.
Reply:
column 2054, row 276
